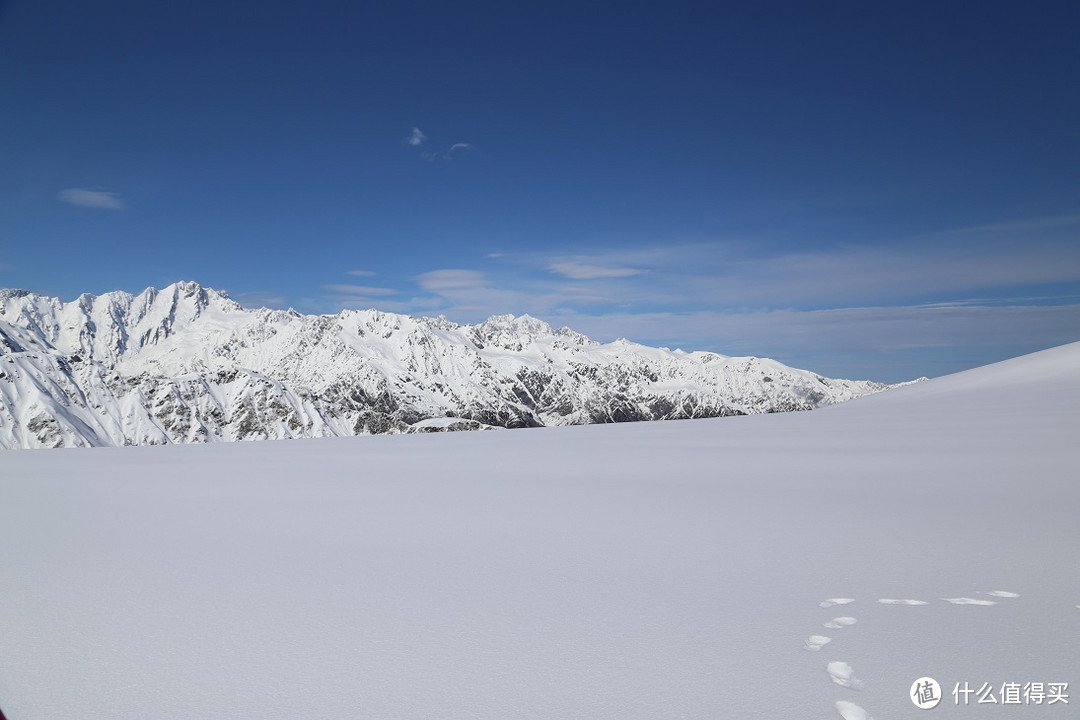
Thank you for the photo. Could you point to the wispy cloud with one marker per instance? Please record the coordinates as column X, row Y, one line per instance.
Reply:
column 1013, row 226
column 879, row 343
column 470, row 295
column 346, row 296
column 365, row 290
column 584, row 271
column 258, row 299
column 842, row 329
column 450, row 152
column 690, row 279
column 91, row 198
column 360, row 273
column 859, row 274
column 451, row 279
column 416, row 138
column 733, row 275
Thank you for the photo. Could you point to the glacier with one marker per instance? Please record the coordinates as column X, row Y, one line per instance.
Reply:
column 187, row 364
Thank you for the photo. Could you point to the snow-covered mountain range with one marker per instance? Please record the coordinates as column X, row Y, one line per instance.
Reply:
column 187, row 364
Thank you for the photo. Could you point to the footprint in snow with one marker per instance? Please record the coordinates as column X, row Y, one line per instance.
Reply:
column 843, row 675
column 1000, row 594
column 851, row 711
column 840, row 672
column 835, row 601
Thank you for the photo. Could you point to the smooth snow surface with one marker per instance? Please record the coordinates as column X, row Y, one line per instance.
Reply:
column 649, row 570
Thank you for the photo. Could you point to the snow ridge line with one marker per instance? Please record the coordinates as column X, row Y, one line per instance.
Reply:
column 188, row 364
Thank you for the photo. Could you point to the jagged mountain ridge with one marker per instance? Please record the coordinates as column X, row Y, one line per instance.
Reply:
column 188, row 364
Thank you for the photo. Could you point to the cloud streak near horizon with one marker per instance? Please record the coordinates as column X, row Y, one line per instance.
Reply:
column 584, row 271
column 91, row 199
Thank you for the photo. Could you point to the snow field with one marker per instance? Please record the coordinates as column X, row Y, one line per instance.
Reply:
column 619, row 571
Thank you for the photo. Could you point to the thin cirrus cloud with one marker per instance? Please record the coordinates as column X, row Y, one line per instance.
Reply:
column 470, row 296
column 451, row 279
column 82, row 197
column 260, row 299
column 988, row 262
column 363, row 290
column 417, row 138
column 360, row 273
column 895, row 328
column 895, row 343
column 724, row 274
column 883, row 343
column 449, row 154
column 585, row 271
column 881, row 274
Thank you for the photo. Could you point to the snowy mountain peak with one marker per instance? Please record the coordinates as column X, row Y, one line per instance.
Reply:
column 514, row 332
column 519, row 324
column 189, row 294
column 12, row 294
column 188, row 364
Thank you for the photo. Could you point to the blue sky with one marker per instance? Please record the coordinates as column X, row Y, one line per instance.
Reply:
column 880, row 190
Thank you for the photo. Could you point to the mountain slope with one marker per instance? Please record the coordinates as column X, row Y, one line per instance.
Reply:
column 188, row 364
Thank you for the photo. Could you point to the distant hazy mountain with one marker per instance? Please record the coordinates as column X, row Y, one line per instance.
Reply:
column 187, row 364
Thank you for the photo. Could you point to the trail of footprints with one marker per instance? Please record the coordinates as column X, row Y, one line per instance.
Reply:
column 843, row 674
